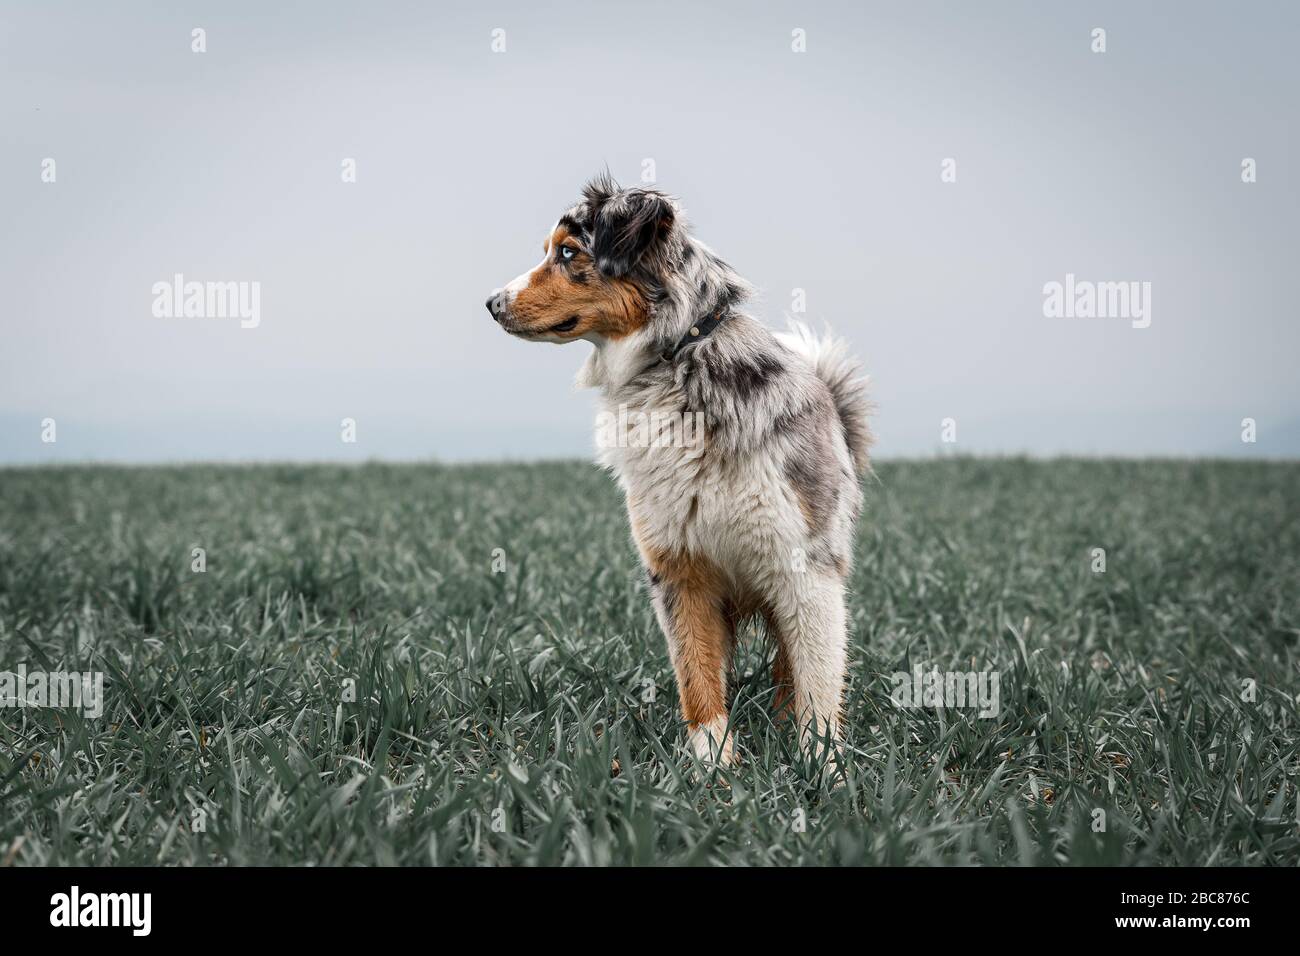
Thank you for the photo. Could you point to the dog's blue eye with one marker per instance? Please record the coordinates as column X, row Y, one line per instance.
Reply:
column 567, row 252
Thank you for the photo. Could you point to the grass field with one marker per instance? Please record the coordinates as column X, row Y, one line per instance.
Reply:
column 504, row 718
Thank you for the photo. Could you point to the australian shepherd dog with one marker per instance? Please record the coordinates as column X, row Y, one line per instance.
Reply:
column 752, row 513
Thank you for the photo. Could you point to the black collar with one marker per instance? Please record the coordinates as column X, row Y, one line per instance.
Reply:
column 702, row 329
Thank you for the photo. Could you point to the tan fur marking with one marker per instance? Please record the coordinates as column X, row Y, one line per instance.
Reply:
column 782, row 672
column 612, row 308
column 809, row 515
column 701, row 631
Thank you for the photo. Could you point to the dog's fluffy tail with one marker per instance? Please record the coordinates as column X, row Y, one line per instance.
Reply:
column 830, row 358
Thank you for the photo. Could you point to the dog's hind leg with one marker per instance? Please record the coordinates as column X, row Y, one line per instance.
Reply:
column 782, row 675
column 812, row 628
column 690, row 604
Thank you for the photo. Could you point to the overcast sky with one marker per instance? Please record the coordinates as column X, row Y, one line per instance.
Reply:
column 817, row 170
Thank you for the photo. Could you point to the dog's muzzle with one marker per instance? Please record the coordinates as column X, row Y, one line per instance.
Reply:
column 497, row 303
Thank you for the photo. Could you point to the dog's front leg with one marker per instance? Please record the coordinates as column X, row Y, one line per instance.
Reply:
column 690, row 604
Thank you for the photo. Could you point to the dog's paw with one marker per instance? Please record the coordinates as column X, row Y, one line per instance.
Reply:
column 712, row 744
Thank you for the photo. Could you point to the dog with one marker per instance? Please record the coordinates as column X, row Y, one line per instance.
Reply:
column 753, row 514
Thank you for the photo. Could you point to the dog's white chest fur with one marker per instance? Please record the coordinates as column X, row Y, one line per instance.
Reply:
column 685, row 495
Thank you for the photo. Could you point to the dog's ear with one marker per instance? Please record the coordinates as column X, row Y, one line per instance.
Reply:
column 627, row 225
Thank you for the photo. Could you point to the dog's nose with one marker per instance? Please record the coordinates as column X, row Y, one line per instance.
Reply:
column 496, row 303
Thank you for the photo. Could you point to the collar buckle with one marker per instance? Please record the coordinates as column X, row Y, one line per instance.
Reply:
column 700, row 330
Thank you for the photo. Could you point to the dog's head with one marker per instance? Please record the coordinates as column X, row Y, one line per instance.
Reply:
column 598, row 272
